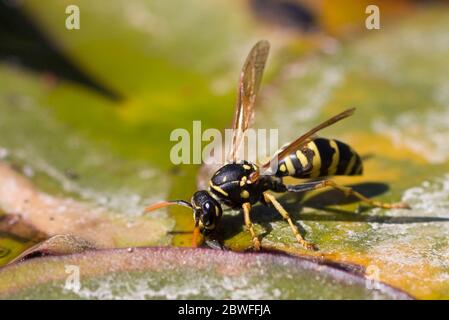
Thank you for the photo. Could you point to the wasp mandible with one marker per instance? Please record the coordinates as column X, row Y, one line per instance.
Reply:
column 240, row 184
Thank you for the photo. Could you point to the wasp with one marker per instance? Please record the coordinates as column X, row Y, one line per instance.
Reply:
column 240, row 184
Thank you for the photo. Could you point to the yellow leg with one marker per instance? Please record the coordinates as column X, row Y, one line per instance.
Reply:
column 246, row 209
column 270, row 198
column 350, row 192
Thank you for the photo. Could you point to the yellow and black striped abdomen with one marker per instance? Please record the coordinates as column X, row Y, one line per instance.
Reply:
column 319, row 158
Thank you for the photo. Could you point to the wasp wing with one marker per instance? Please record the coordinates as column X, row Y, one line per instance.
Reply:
column 306, row 137
column 249, row 83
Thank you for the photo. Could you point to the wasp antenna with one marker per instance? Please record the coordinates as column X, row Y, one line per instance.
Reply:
column 163, row 204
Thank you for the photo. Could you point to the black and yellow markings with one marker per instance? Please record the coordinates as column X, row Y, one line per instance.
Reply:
column 218, row 189
column 244, row 194
column 283, row 168
column 239, row 184
column 347, row 159
column 358, row 166
column 243, row 181
column 338, row 158
column 297, row 164
column 322, row 157
column 290, row 167
column 303, row 160
column 349, row 162
column 332, row 170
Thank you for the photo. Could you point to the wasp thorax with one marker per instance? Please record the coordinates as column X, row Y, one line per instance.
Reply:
column 233, row 184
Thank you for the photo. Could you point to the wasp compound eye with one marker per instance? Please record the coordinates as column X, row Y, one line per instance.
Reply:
column 208, row 214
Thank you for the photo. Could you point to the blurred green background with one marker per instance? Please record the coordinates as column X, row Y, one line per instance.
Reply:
column 85, row 119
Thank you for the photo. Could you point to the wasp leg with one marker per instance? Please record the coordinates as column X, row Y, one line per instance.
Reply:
column 270, row 198
column 249, row 225
column 347, row 191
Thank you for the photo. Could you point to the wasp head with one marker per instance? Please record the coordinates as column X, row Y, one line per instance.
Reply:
column 206, row 210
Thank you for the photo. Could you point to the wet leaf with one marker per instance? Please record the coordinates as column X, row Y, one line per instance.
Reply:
column 397, row 80
column 52, row 215
column 95, row 161
column 76, row 161
column 15, row 236
column 170, row 273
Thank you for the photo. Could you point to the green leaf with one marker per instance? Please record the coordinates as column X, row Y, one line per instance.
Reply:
column 113, row 154
column 92, row 163
column 397, row 79
column 170, row 273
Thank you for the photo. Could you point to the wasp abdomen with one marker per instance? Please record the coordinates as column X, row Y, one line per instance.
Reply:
column 319, row 158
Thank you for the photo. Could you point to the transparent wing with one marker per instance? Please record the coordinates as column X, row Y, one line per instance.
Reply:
column 306, row 137
column 248, row 86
